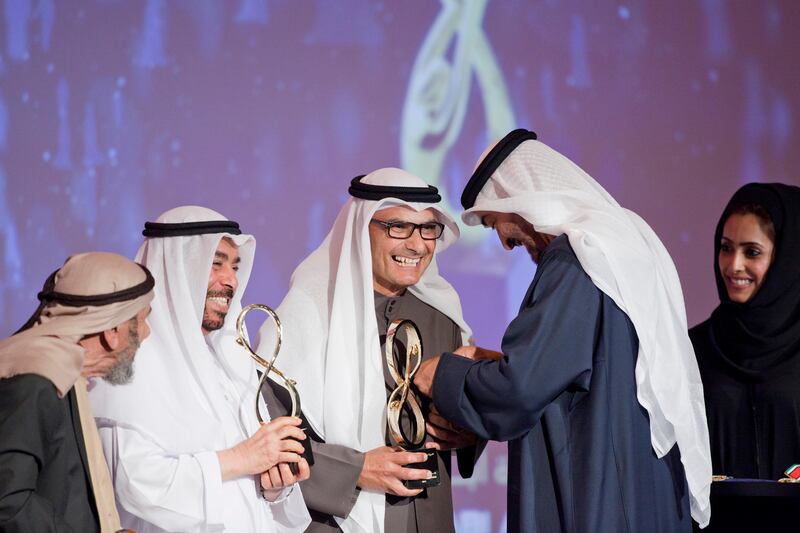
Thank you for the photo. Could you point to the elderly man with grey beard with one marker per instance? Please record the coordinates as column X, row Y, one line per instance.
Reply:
column 91, row 320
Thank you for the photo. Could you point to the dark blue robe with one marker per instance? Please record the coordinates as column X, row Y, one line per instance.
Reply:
column 564, row 396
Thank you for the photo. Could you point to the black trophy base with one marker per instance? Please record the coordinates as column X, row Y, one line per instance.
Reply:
column 430, row 463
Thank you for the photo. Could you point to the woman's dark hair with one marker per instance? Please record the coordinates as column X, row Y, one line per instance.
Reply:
column 757, row 210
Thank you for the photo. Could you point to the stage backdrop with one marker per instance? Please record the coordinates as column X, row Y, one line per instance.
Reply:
column 113, row 111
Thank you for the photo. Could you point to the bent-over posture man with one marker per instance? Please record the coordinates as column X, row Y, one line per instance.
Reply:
column 91, row 320
column 596, row 389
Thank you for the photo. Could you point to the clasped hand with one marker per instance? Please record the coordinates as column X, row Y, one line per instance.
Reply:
column 423, row 379
column 477, row 353
column 446, row 435
column 384, row 470
column 267, row 454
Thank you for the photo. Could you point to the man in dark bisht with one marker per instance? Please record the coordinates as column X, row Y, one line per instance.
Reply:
column 596, row 389
column 91, row 320
column 377, row 264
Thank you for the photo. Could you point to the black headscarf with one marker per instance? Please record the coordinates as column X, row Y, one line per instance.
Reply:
column 758, row 335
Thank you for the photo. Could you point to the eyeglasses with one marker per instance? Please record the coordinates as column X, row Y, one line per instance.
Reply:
column 429, row 231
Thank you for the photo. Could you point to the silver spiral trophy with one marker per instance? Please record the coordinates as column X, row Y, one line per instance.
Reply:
column 268, row 366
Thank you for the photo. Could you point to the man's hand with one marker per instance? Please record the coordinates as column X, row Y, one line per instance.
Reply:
column 447, row 435
column 273, row 443
column 384, row 471
column 423, row 379
column 476, row 353
column 280, row 476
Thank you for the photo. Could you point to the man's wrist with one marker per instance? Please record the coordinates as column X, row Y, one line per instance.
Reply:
column 275, row 496
column 229, row 464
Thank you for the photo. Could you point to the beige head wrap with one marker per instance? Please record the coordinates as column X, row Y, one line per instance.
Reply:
column 91, row 293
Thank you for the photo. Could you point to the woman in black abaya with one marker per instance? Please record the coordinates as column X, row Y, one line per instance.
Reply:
column 748, row 351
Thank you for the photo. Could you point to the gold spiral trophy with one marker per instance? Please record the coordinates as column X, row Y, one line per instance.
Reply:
column 403, row 410
column 269, row 366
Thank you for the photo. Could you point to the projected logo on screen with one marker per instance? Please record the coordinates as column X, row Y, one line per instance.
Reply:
column 438, row 93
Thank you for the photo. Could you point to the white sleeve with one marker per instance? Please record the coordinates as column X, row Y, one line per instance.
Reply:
column 290, row 514
column 175, row 493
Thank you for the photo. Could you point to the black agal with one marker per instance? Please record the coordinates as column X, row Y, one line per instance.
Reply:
column 365, row 191
column 182, row 229
column 490, row 163
column 48, row 295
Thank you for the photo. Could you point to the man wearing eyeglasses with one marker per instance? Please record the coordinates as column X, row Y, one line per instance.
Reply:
column 402, row 242
column 377, row 265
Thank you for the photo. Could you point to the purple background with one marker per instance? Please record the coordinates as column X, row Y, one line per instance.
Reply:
column 113, row 111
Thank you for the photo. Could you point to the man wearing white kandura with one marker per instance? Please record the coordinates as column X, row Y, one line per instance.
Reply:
column 183, row 443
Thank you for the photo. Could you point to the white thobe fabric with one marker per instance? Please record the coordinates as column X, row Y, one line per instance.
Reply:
column 191, row 396
column 186, row 493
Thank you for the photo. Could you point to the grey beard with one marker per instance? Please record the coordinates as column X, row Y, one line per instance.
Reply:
column 121, row 373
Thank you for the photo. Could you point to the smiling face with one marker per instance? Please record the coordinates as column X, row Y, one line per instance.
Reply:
column 745, row 254
column 399, row 263
column 222, row 284
column 513, row 231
